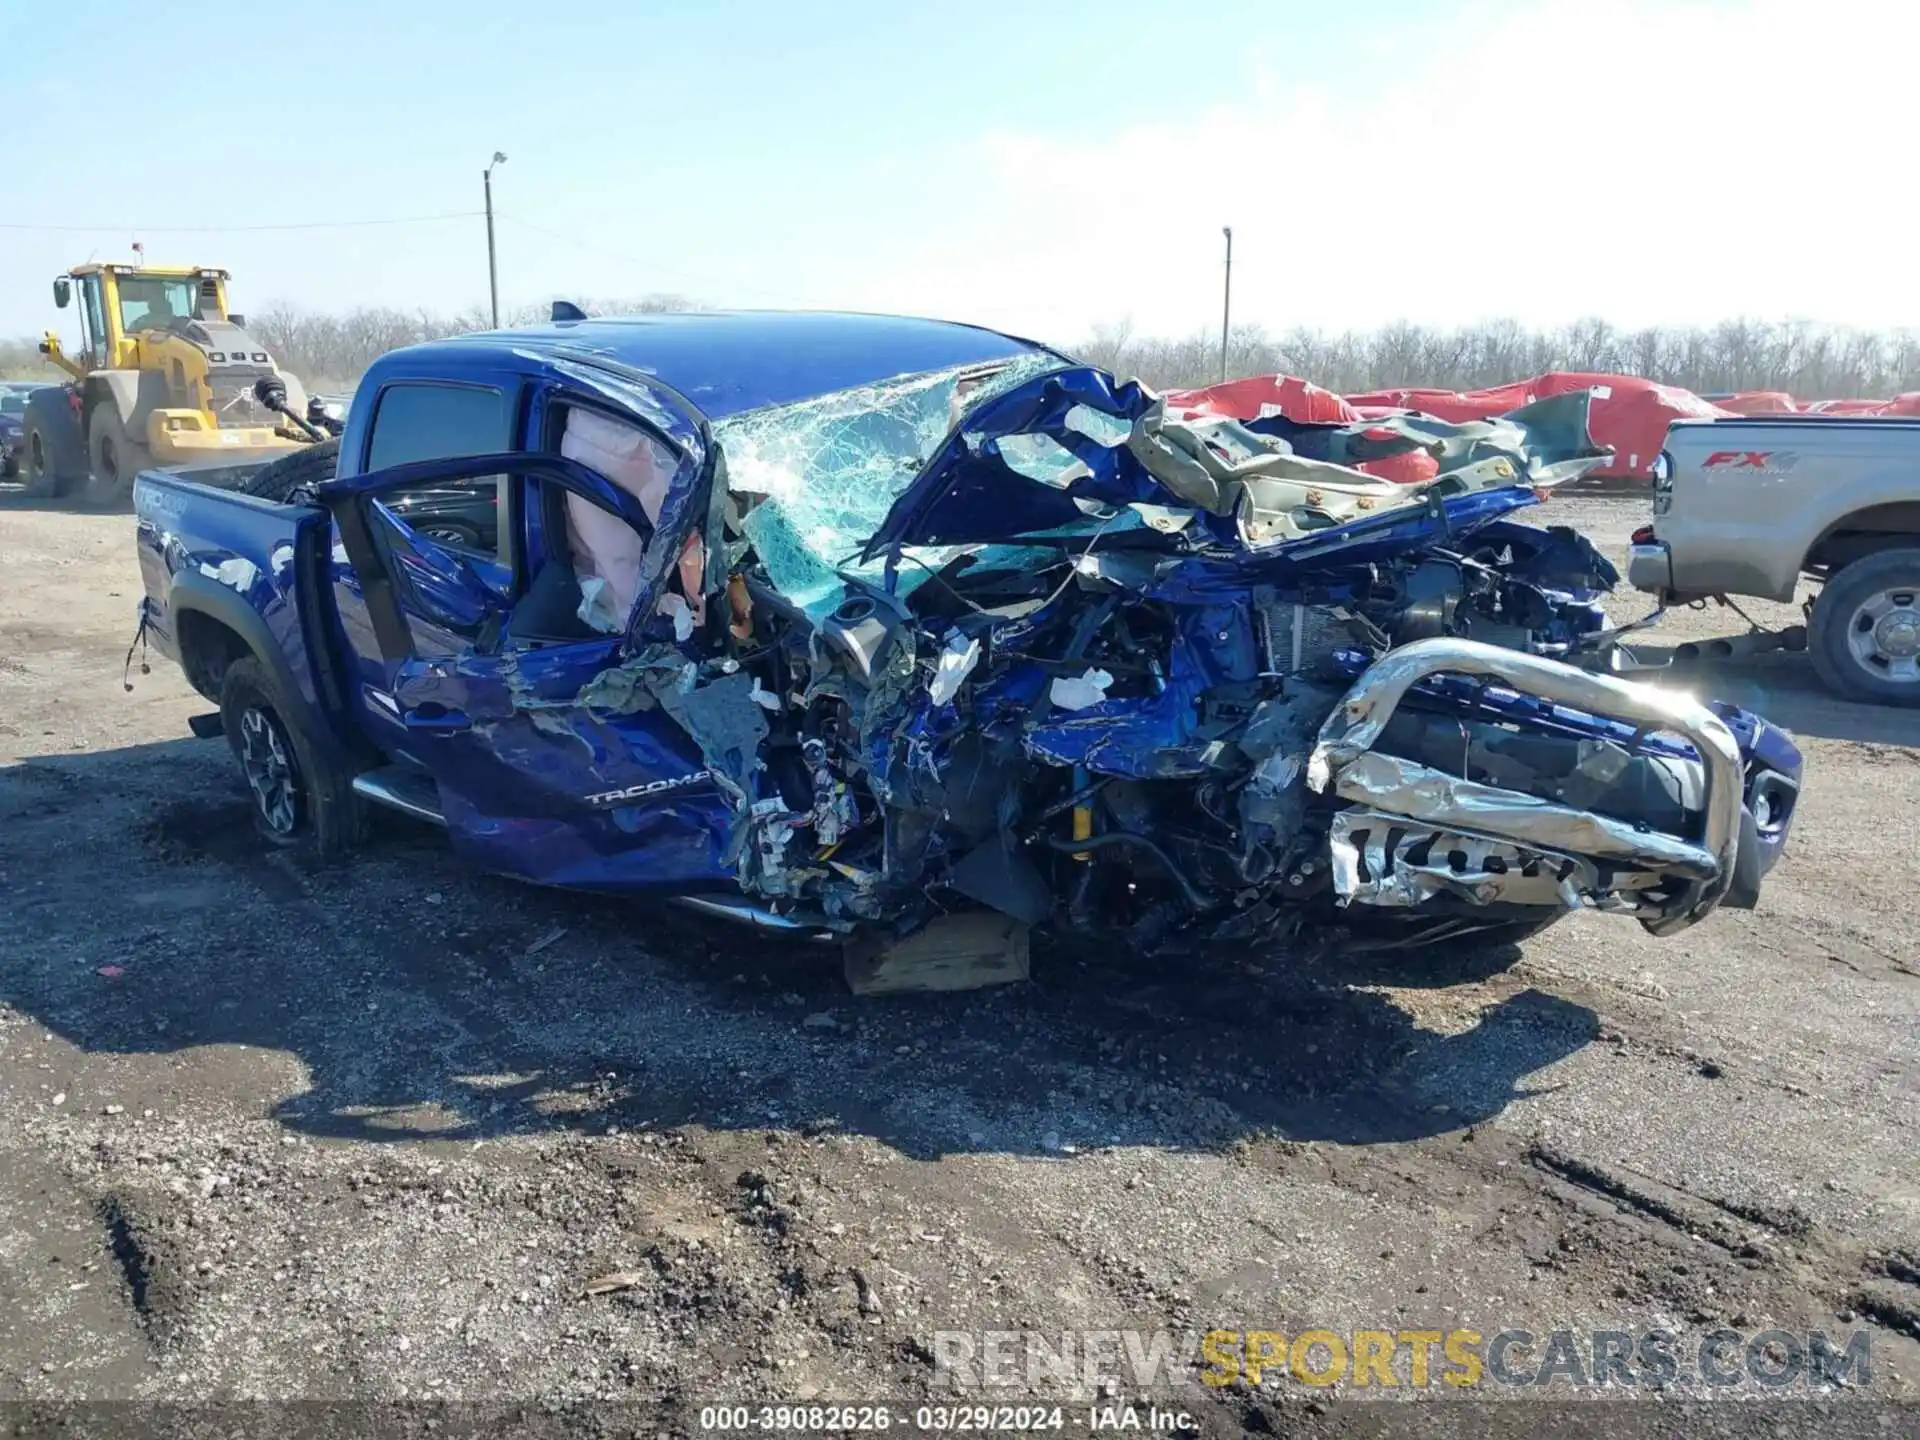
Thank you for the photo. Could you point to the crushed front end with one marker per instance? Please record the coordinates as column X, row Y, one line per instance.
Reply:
column 1018, row 640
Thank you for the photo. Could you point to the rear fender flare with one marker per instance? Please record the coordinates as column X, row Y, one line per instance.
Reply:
column 196, row 594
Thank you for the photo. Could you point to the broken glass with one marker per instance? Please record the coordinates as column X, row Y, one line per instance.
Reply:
column 822, row 474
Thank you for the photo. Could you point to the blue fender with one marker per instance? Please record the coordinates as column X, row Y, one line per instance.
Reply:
column 195, row 593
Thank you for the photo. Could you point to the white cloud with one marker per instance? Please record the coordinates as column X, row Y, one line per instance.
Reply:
column 1650, row 162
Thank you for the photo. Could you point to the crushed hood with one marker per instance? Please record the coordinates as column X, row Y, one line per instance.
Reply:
column 1076, row 446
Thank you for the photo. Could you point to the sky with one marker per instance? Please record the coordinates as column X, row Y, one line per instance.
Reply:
column 1043, row 167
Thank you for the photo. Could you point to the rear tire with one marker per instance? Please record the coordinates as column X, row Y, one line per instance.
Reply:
column 1864, row 633
column 298, row 795
column 113, row 458
column 278, row 479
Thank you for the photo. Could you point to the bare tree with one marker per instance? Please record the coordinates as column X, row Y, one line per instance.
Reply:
column 1809, row 361
column 1813, row 362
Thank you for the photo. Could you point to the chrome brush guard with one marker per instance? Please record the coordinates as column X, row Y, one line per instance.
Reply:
column 1505, row 844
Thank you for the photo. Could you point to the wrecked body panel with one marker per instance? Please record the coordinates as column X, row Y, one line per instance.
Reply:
column 934, row 622
column 1124, row 674
column 1088, row 445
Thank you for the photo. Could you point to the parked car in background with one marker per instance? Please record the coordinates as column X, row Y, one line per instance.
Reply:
column 1748, row 507
column 13, row 416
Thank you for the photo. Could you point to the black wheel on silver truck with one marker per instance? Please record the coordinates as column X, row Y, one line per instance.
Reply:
column 113, row 458
column 1864, row 634
column 298, row 795
column 309, row 465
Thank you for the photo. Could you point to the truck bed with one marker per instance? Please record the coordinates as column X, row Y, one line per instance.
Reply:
column 225, row 572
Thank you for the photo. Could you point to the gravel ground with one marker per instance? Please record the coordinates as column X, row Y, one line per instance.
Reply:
column 370, row 1130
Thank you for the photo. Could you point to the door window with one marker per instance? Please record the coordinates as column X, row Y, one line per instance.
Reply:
column 437, row 422
column 94, row 319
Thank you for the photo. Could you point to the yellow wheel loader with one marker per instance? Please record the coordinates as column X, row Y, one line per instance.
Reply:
column 165, row 376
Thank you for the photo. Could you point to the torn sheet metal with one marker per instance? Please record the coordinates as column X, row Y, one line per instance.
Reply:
column 1630, row 415
column 1026, row 463
column 957, row 659
column 1379, row 859
column 1402, row 787
column 718, row 710
column 1080, row 692
column 1357, row 721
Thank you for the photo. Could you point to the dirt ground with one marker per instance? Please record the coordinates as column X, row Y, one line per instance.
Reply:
column 368, row 1130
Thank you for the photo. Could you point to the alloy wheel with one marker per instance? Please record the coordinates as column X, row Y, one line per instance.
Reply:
column 268, row 763
column 1884, row 635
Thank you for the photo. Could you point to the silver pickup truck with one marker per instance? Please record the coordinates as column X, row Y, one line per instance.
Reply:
column 1750, row 506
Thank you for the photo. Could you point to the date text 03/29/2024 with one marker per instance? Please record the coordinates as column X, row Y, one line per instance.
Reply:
column 938, row 1419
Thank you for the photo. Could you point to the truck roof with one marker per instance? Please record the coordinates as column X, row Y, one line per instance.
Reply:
column 729, row 361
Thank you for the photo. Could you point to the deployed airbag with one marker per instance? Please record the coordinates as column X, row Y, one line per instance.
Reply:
column 605, row 548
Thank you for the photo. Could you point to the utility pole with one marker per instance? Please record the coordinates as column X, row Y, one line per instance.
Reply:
column 493, row 270
column 1226, row 303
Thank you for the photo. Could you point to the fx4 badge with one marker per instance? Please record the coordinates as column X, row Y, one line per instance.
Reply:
column 1768, row 462
column 651, row 788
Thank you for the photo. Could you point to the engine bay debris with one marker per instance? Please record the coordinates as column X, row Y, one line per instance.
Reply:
column 1015, row 642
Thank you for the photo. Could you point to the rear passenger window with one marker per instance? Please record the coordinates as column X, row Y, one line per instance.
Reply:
column 435, row 422
column 438, row 422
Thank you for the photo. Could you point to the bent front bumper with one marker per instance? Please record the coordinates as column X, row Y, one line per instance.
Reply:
column 1508, row 845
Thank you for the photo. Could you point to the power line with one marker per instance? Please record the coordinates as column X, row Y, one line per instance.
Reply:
column 243, row 229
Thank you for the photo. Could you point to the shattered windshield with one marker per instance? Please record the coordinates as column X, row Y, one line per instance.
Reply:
column 820, row 475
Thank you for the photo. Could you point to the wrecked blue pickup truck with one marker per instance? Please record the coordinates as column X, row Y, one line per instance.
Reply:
column 855, row 624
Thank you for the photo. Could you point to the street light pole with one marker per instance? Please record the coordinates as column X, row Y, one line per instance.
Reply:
column 493, row 270
column 1226, row 302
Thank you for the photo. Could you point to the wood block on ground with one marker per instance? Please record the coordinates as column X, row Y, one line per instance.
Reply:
column 955, row 952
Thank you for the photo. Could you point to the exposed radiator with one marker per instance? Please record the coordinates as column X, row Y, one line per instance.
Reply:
column 1299, row 637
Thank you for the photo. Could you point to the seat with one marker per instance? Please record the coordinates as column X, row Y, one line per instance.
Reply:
column 549, row 612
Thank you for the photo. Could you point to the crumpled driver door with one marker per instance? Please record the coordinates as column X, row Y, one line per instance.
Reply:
column 531, row 780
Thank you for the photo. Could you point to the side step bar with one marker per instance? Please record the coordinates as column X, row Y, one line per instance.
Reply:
column 412, row 793
column 743, row 911
column 403, row 790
